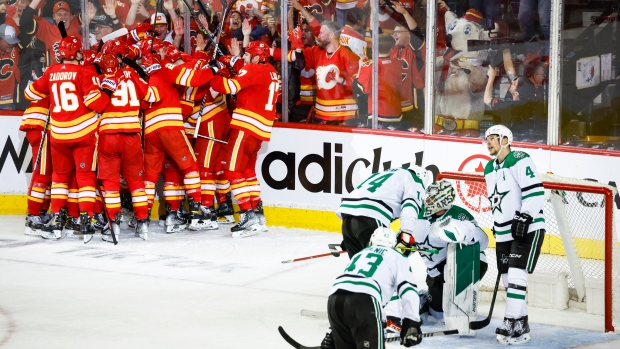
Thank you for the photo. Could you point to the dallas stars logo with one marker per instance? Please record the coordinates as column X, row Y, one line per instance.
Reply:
column 496, row 199
column 427, row 245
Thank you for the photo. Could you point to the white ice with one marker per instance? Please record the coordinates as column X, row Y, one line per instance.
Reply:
column 202, row 290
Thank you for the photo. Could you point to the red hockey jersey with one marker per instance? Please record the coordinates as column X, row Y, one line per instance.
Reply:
column 75, row 99
column 50, row 35
column 390, row 80
column 9, row 76
column 122, row 114
column 334, row 101
column 35, row 115
column 413, row 72
column 257, row 87
column 165, row 112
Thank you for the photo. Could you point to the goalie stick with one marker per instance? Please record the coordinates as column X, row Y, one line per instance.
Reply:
column 388, row 338
column 477, row 325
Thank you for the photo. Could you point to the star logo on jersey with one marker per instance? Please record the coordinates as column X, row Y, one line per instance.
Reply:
column 427, row 245
column 496, row 199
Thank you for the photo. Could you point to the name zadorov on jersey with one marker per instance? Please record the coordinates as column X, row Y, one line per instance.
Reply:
column 63, row 76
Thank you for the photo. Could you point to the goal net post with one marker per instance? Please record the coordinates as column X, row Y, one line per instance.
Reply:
column 581, row 238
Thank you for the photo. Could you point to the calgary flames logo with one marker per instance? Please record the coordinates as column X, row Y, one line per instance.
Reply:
column 326, row 76
column 474, row 194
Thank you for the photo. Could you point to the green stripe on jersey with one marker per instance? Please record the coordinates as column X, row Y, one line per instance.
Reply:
column 369, row 207
column 407, row 290
column 515, row 296
column 538, row 193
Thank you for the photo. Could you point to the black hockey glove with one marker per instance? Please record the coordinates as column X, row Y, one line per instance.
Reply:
column 342, row 246
column 328, row 341
column 520, row 224
column 411, row 333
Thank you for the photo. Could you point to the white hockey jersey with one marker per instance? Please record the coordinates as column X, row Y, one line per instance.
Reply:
column 424, row 239
column 379, row 272
column 386, row 196
column 514, row 186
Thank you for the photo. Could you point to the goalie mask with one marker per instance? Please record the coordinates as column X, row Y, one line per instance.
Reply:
column 439, row 196
column 383, row 237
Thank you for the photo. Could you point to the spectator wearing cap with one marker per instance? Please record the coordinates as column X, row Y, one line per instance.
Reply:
column 160, row 27
column 49, row 33
column 100, row 26
column 9, row 70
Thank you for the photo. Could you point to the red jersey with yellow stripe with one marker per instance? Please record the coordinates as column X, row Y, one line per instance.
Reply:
column 194, row 73
column 214, row 106
column 75, row 99
column 390, row 83
column 35, row 115
column 257, row 88
column 334, row 101
column 165, row 112
column 122, row 114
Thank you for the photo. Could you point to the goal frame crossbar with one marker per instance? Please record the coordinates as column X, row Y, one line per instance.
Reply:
column 595, row 188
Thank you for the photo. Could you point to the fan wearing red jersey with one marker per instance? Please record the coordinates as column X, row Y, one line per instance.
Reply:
column 33, row 122
column 335, row 68
column 256, row 86
column 75, row 99
column 120, row 143
column 390, row 80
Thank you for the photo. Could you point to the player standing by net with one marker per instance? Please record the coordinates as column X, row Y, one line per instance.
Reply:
column 517, row 198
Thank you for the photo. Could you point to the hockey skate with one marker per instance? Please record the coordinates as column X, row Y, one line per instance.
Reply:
column 175, row 222
column 128, row 217
column 224, row 211
column 53, row 229
column 100, row 222
column 393, row 325
column 34, row 224
column 505, row 331
column 521, row 331
column 262, row 221
column 142, row 229
column 115, row 229
column 71, row 226
column 205, row 220
column 86, row 227
column 247, row 226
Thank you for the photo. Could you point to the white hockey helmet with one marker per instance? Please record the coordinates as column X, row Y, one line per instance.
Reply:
column 383, row 236
column 423, row 174
column 501, row 131
column 439, row 196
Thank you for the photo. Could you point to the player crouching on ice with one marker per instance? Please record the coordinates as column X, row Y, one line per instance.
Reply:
column 356, row 300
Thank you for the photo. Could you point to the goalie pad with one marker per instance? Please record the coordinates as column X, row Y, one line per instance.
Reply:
column 453, row 230
column 460, row 290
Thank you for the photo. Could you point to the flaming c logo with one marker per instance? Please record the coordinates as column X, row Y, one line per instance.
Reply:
column 474, row 194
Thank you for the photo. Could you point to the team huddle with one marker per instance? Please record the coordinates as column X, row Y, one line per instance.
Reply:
column 103, row 126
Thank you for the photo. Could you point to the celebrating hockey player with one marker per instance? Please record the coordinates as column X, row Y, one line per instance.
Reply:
column 380, row 199
column 516, row 195
column 75, row 99
column 256, row 86
column 357, row 296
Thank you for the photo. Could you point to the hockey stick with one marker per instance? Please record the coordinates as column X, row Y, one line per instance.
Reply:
column 62, row 29
column 312, row 257
column 101, row 192
column 205, row 31
column 206, row 137
column 477, row 325
column 333, row 248
column 115, row 34
column 388, row 338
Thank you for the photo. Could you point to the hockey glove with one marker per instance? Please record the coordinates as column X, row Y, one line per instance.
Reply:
column 215, row 66
column 342, row 246
column 520, row 224
column 411, row 333
column 108, row 85
column 328, row 341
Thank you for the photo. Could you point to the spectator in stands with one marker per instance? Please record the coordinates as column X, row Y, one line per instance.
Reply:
column 352, row 35
column 100, row 26
column 9, row 55
column 139, row 11
column 528, row 29
column 49, row 33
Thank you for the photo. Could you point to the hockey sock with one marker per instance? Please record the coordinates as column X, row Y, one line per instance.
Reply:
column 139, row 199
column 222, row 187
column 36, row 196
column 112, row 203
column 207, row 186
column 191, row 182
column 73, row 208
column 515, row 293
column 87, row 181
column 149, row 188
column 174, row 194
column 240, row 189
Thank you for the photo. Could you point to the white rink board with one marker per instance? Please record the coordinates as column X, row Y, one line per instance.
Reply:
column 328, row 159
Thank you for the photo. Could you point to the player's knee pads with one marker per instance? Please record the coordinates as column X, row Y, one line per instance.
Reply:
column 86, row 178
column 134, row 185
column 111, row 185
column 61, row 177
column 517, row 276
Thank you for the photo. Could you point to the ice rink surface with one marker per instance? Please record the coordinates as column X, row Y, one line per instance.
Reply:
column 203, row 290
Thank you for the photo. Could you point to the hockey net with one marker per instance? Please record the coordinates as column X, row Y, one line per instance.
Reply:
column 580, row 239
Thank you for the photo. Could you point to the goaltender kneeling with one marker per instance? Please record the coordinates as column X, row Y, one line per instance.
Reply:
column 356, row 300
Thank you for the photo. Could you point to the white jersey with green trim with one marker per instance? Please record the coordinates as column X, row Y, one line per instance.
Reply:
column 514, row 186
column 386, row 196
column 424, row 239
column 379, row 272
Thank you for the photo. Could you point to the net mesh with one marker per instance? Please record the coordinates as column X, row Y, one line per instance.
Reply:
column 579, row 213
